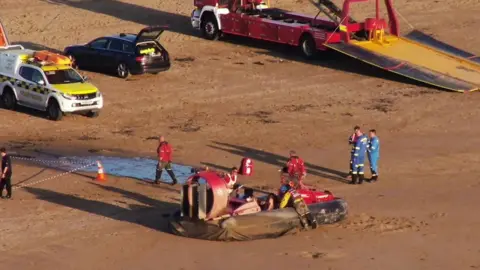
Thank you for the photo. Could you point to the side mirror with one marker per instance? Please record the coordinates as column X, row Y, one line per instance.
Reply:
column 85, row 78
column 41, row 82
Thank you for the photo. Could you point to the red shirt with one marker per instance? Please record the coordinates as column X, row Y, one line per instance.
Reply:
column 164, row 152
column 296, row 166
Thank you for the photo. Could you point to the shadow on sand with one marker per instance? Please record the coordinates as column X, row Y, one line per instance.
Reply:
column 35, row 46
column 181, row 24
column 132, row 13
column 149, row 216
column 278, row 161
column 216, row 166
column 28, row 111
column 44, row 168
column 30, row 177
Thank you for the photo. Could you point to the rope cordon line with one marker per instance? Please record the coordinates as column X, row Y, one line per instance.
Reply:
column 46, row 161
column 53, row 177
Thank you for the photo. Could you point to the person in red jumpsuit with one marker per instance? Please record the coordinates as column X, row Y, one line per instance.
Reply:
column 296, row 169
column 164, row 151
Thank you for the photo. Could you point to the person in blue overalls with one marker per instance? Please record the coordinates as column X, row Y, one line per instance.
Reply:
column 373, row 153
column 358, row 157
column 352, row 140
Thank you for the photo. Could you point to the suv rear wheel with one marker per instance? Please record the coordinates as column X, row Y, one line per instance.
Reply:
column 122, row 70
column 9, row 100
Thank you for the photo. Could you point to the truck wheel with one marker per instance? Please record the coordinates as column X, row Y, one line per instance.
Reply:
column 93, row 114
column 122, row 71
column 9, row 100
column 307, row 47
column 53, row 111
column 210, row 28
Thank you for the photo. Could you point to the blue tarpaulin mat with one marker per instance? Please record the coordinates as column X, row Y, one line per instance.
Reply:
column 137, row 168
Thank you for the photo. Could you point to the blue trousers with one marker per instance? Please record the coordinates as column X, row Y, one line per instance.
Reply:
column 358, row 165
column 373, row 164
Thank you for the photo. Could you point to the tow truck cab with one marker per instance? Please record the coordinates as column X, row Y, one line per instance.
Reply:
column 255, row 19
column 45, row 81
column 215, row 8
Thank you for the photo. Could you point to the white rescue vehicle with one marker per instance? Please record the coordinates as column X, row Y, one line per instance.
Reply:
column 45, row 81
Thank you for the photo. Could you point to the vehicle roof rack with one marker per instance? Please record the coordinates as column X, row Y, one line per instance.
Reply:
column 12, row 47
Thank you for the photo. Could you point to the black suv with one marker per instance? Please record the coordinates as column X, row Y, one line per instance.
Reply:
column 123, row 54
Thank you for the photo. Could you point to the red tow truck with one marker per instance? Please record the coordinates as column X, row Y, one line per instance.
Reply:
column 255, row 19
column 416, row 55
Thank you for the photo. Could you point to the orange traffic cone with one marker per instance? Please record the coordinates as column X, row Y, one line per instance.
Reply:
column 100, row 175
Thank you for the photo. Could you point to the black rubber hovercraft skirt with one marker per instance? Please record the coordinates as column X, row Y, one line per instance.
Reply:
column 265, row 224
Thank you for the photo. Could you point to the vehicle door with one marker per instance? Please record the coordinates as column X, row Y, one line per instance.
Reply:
column 91, row 55
column 240, row 23
column 129, row 52
column 32, row 87
column 113, row 54
column 38, row 87
column 227, row 20
column 255, row 29
column 269, row 30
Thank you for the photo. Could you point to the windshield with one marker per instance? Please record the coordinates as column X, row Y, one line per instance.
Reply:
column 63, row 76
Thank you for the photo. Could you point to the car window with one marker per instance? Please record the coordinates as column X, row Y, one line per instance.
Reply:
column 26, row 73
column 99, row 43
column 31, row 74
column 37, row 76
column 128, row 47
column 63, row 76
column 115, row 45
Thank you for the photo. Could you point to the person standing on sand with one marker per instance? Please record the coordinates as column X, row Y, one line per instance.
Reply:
column 296, row 169
column 164, row 152
column 373, row 153
column 6, row 173
column 358, row 157
column 352, row 140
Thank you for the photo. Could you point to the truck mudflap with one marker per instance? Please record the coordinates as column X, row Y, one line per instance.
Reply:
column 265, row 224
column 404, row 68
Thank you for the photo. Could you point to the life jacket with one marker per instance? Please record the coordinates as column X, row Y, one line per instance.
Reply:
column 164, row 151
column 230, row 180
column 295, row 195
column 296, row 167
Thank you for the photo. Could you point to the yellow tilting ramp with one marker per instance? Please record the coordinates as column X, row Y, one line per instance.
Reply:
column 419, row 57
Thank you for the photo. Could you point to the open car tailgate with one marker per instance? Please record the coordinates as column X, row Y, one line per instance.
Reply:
column 150, row 33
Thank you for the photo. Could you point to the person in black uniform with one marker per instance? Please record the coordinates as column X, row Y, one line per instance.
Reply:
column 6, row 174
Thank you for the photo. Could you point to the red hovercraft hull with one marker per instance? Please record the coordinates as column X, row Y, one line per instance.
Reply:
column 207, row 213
